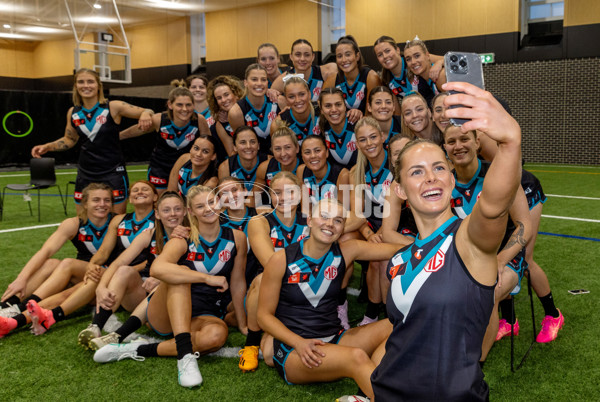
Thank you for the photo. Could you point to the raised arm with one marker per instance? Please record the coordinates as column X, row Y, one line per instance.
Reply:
column 120, row 109
column 362, row 250
column 62, row 144
column 65, row 231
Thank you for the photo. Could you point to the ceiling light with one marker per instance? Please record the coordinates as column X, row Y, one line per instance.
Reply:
column 42, row 30
column 98, row 20
column 7, row 26
column 171, row 5
column 13, row 36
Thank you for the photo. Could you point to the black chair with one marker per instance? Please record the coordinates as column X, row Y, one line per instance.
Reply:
column 69, row 183
column 512, row 337
column 42, row 176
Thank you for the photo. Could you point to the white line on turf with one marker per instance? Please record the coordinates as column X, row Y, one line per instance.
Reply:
column 573, row 196
column 64, row 173
column 559, row 166
column 569, row 218
column 29, row 228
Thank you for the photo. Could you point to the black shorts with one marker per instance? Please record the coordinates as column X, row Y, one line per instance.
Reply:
column 281, row 351
column 519, row 265
column 159, row 176
column 205, row 305
column 117, row 180
column 533, row 189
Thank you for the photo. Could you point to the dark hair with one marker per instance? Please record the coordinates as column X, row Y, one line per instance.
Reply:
column 241, row 129
column 349, row 40
column 212, row 168
column 299, row 42
column 266, row 45
column 201, row 77
column 323, row 123
column 386, row 75
column 379, row 89
column 313, row 137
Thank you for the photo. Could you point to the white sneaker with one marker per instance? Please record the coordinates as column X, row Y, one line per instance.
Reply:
column 92, row 331
column 118, row 351
column 366, row 320
column 188, row 371
column 342, row 311
column 10, row 311
column 99, row 342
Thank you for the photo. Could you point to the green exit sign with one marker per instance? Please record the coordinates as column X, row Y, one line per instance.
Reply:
column 487, row 58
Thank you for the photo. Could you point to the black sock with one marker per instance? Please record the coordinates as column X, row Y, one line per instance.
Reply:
column 129, row 327
column 149, row 350
column 23, row 304
column 548, row 304
column 253, row 338
column 342, row 296
column 101, row 317
column 481, row 363
column 21, row 320
column 58, row 314
column 184, row 344
column 372, row 310
column 384, row 309
column 10, row 301
column 506, row 310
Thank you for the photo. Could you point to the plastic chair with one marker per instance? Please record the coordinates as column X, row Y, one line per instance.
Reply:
column 512, row 337
column 42, row 176
column 69, row 183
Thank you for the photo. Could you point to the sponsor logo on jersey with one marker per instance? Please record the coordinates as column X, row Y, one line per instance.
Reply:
column 101, row 119
column 418, row 254
column 316, row 92
column 351, row 146
column 190, row 136
column 397, row 270
column 272, row 115
column 78, row 195
column 157, row 180
column 224, row 255
column 436, row 262
column 331, row 272
column 360, row 95
column 84, row 238
column 78, row 122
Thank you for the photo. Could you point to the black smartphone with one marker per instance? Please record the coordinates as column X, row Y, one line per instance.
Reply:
column 578, row 291
column 463, row 67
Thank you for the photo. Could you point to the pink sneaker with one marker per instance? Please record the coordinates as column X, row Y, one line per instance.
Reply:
column 504, row 329
column 41, row 319
column 366, row 320
column 550, row 327
column 7, row 325
column 342, row 311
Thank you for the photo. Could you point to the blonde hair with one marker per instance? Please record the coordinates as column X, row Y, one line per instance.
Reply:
column 85, row 195
column 159, row 227
column 193, row 192
column 412, row 43
column 77, row 101
column 284, row 131
column 361, row 159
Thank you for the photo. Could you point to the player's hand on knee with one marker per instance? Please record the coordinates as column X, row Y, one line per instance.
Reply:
column 17, row 287
column 310, row 354
column 150, row 284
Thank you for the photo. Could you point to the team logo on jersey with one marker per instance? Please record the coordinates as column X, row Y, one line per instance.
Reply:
column 84, row 238
column 330, row 272
column 78, row 122
column 192, row 256
column 210, row 121
column 418, row 254
column 190, row 136
column 351, row 146
column 360, row 95
column 224, row 255
column 436, row 262
column 272, row 115
column 101, row 119
column 302, row 236
column 123, row 232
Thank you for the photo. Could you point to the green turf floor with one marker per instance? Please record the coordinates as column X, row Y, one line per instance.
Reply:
column 53, row 367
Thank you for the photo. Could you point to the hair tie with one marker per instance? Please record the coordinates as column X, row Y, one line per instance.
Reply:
column 290, row 76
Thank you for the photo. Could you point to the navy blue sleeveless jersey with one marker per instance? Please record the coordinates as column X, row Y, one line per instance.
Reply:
column 274, row 167
column 309, row 127
column 532, row 188
column 128, row 230
column 252, row 266
column 89, row 238
column 377, row 185
column 395, row 128
column 185, row 181
column 315, row 82
column 220, row 148
column 426, row 88
column 355, row 95
column 342, row 146
column 237, row 170
column 100, row 152
column 151, row 253
column 439, row 315
column 326, row 187
column 206, row 114
column 173, row 141
column 281, row 235
column 260, row 120
column 400, row 86
column 211, row 258
column 309, row 292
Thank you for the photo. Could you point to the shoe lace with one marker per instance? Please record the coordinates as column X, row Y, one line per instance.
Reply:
column 131, row 355
column 187, row 364
column 546, row 323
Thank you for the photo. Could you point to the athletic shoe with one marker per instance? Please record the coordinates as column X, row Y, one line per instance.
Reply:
column 10, row 311
column 100, row 342
column 7, row 325
column 504, row 329
column 248, row 359
column 188, row 372
column 353, row 398
column 342, row 311
column 41, row 319
column 550, row 327
column 118, row 351
column 366, row 320
column 92, row 331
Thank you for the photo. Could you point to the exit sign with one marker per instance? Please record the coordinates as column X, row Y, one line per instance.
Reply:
column 487, row 58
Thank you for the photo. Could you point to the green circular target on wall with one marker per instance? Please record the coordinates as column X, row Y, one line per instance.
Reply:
column 19, row 133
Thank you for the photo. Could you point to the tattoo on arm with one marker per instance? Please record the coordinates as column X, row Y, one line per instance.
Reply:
column 517, row 236
column 60, row 145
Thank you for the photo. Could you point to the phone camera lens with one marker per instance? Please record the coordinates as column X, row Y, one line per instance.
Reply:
column 453, row 58
column 463, row 63
column 454, row 67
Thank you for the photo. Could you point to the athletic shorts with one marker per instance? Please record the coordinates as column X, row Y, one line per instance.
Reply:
column 533, row 189
column 281, row 351
column 117, row 180
column 215, row 306
column 159, row 176
column 519, row 265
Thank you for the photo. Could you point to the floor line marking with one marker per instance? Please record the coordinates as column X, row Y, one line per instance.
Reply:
column 29, row 228
column 556, row 171
column 570, row 218
column 568, row 236
column 573, row 196
column 534, row 165
column 64, row 173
